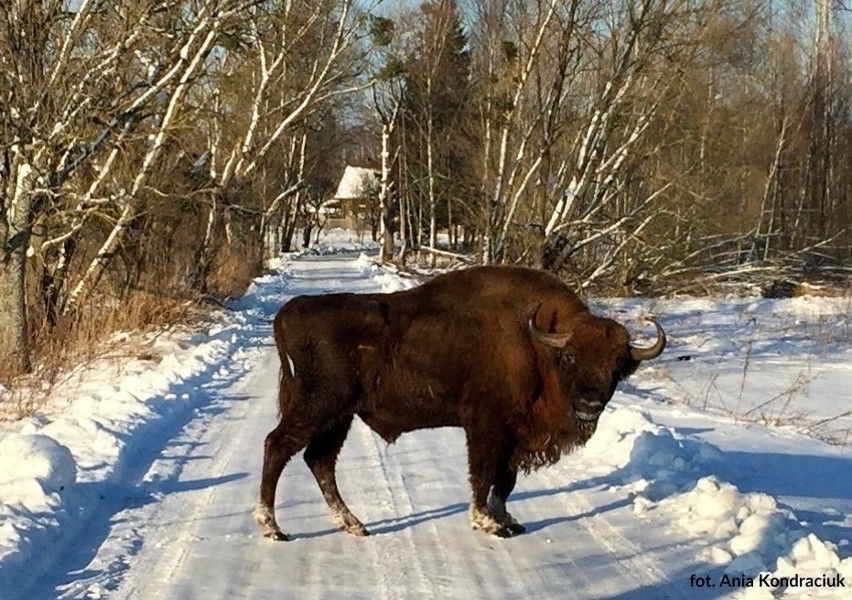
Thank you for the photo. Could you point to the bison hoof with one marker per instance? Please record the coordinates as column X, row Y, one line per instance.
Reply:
column 349, row 522
column 501, row 532
column 356, row 530
column 516, row 528
column 264, row 517
column 482, row 521
column 276, row 536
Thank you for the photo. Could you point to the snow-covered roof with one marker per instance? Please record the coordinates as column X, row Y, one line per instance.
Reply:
column 354, row 181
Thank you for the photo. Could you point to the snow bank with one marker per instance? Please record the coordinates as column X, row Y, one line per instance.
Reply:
column 40, row 458
column 89, row 442
column 749, row 534
column 35, row 472
column 655, row 461
column 674, row 479
column 106, row 412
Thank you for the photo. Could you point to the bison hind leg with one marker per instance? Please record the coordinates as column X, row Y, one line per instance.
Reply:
column 321, row 457
column 278, row 447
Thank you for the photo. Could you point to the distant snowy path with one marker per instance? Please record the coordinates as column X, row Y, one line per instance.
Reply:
column 177, row 524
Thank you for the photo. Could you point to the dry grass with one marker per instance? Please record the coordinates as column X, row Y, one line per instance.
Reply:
column 135, row 308
column 827, row 290
column 93, row 336
column 778, row 411
column 828, row 430
column 232, row 272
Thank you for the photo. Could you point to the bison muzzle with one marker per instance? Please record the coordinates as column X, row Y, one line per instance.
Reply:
column 509, row 354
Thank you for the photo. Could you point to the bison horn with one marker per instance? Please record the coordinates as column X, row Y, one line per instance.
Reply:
column 640, row 354
column 556, row 340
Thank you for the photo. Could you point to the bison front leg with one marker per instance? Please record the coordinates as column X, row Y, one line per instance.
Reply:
column 503, row 486
column 321, row 457
column 484, row 458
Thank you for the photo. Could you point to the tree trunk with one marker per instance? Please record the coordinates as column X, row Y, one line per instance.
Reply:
column 385, row 201
column 15, row 222
column 14, row 352
column 207, row 250
column 433, row 201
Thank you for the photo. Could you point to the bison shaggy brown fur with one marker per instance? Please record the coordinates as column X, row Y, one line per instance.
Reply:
column 509, row 354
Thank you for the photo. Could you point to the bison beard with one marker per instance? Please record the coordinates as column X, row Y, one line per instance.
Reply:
column 509, row 354
column 550, row 450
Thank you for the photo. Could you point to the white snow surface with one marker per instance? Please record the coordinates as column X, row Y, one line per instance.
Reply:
column 138, row 480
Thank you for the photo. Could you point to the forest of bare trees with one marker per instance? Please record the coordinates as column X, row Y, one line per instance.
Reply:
column 153, row 152
column 640, row 146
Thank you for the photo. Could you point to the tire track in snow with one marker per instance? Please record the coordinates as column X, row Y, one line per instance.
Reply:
column 637, row 563
column 164, row 518
column 400, row 503
column 175, row 544
column 439, row 541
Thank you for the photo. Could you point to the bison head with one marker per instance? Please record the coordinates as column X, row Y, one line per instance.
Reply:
column 591, row 354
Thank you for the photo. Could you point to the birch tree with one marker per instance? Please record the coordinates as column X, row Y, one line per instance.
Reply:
column 104, row 106
column 299, row 56
column 389, row 117
column 571, row 90
column 176, row 82
column 64, row 103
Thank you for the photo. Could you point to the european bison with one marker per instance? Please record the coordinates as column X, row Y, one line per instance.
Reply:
column 510, row 354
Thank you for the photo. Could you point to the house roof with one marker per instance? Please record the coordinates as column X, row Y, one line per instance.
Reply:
column 354, row 181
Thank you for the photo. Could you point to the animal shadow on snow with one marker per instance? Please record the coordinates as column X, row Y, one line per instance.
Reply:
column 393, row 524
column 401, row 523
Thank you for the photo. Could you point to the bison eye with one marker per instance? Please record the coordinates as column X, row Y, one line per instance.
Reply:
column 567, row 357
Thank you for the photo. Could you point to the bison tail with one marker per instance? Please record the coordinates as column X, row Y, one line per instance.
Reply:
column 280, row 389
column 286, row 381
column 286, row 372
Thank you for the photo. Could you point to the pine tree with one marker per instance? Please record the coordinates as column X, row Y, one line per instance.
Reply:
column 435, row 112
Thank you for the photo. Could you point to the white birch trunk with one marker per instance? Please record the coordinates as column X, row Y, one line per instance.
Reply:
column 385, row 201
column 133, row 202
column 502, row 177
column 15, row 239
column 433, row 201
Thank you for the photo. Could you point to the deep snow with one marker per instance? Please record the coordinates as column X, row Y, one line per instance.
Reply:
column 139, row 478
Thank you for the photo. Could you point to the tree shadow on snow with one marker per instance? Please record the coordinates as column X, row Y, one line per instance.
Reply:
column 154, row 491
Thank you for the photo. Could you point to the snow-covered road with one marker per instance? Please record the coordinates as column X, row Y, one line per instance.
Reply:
column 640, row 513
